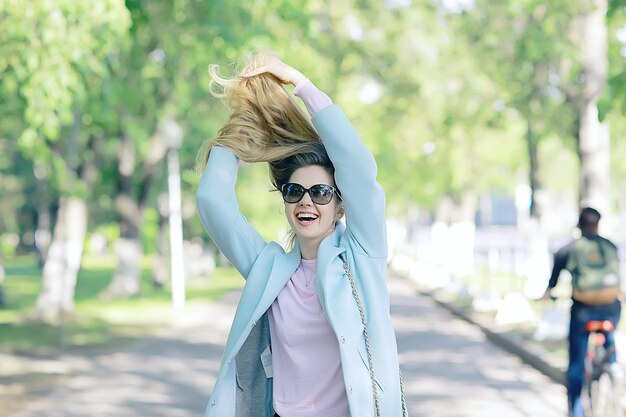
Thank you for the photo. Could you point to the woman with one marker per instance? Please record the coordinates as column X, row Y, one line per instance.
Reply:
column 297, row 346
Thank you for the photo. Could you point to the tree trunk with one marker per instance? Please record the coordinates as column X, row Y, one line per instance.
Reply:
column 533, row 174
column 43, row 232
column 131, row 206
column 594, row 140
column 65, row 252
column 127, row 279
column 64, row 256
column 160, row 273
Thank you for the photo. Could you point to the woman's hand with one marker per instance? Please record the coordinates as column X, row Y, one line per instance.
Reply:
column 276, row 67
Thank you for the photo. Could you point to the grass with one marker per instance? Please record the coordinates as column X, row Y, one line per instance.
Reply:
column 96, row 323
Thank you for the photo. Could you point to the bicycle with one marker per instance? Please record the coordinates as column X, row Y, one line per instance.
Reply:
column 601, row 394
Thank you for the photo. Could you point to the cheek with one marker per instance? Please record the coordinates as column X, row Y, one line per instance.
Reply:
column 288, row 211
column 331, row 213
column 289, row 214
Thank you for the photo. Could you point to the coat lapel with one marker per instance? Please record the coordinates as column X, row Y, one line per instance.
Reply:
column 328, row 251
column 258, row 297
column 283, row 268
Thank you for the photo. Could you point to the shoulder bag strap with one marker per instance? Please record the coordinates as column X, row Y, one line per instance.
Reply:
column 370, row 362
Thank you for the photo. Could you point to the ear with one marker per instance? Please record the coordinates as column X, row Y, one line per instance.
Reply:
column 340, row 212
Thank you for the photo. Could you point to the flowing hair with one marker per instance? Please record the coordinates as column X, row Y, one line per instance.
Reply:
column 265, row 124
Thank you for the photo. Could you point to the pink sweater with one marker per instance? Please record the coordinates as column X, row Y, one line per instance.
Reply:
column 314, row 99
column 308, row 380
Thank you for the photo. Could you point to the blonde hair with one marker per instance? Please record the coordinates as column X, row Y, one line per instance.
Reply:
column 265, row 124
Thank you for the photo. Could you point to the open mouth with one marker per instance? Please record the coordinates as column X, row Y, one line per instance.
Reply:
column 306, row 218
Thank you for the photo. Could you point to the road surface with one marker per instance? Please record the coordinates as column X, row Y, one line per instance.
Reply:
column 449, row 369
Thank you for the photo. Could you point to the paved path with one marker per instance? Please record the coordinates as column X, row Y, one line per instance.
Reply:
column 167, row 376
column 450, row 370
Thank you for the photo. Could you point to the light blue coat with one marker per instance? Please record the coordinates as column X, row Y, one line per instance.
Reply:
column 243, row 388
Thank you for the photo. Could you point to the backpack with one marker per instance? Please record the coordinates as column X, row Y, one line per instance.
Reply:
column 594, row 264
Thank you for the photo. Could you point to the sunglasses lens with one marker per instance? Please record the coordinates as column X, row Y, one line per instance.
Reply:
column 321, row 194
column 292, row 193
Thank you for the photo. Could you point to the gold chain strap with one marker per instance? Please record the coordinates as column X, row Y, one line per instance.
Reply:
column 370, row 362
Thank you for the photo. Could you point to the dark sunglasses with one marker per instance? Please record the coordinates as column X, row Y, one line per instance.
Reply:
column 320, row 193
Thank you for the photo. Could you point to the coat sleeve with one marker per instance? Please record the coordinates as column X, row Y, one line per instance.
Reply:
column 219, row 211
column 355, row 175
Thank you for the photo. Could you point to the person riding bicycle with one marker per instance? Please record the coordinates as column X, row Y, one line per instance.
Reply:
column 594, row 265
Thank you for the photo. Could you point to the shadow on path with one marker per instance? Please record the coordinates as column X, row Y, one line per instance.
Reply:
column 449, row 370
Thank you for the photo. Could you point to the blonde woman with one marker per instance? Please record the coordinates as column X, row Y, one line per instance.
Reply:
column 312, row 336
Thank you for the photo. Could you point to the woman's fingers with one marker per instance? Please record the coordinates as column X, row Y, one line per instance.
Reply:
column 276, row 72
column 282, row 71
column 256, row 71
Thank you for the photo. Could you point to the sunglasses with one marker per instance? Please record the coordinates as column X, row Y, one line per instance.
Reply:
column 320, row 194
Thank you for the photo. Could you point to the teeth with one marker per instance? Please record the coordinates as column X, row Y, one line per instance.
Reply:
column 306, row 217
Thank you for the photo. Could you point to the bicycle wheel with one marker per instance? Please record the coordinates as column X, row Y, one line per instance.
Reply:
column 587, row 398
column 604, row 398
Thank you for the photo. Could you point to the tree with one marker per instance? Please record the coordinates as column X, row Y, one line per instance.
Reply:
column 589, row 33
column 172, row 45
column 521, row 46
column 423, row 106
column 54, row 52
column 612, row 104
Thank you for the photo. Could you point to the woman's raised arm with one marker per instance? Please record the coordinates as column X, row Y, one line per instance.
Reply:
column 355, row 167
column 219, row 210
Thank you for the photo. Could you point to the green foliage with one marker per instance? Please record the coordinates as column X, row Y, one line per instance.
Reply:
column 8, row 244
column 614, row 97
column 612, row 105
column 261, row 203
column 444, row 98
column 522, row 46
column 109, row 231
column 150, row 231
column 616, row 7
column 54, row 53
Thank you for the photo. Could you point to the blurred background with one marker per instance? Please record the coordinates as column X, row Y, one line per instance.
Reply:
column 492, row 122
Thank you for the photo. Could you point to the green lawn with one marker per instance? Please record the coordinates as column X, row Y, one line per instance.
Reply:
column 96, row 323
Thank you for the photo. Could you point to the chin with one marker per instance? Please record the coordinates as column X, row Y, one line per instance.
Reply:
column 308, row 236
column 313, row 234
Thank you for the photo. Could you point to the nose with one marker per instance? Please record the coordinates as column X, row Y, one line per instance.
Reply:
column 305, row 200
